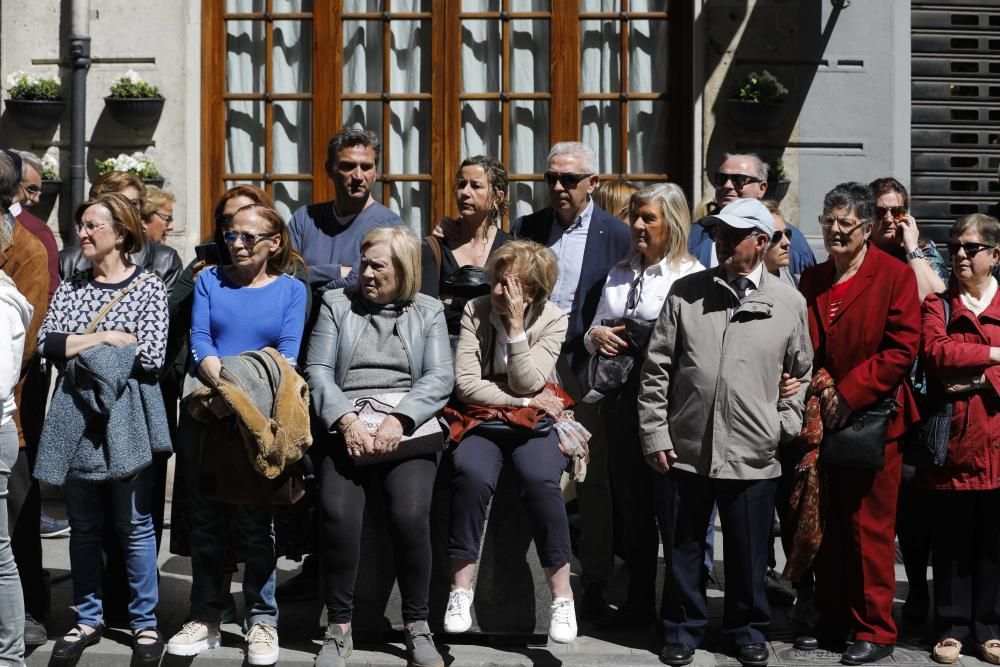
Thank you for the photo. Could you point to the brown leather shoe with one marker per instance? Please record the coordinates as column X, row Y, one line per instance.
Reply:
column 947, row 651
column 990, row 650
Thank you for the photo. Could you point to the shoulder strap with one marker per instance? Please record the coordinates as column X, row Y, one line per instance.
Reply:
column 102, row 313
column 435, row 246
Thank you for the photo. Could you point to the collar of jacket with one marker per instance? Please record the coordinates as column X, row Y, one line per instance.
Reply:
column 760, row 302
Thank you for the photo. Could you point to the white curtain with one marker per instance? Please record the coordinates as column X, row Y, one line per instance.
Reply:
column 291, row 62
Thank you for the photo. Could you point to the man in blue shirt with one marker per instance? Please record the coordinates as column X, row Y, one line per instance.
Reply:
column 328, row 234
column 587, row 242
column 743, row 176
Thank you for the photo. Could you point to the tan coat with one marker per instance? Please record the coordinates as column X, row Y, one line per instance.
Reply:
column 530, row 363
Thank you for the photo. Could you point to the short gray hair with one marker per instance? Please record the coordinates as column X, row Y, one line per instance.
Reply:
column 759, row 167
column 855, row 197
column 581, row 151
column 28, row 159
column 348, row 137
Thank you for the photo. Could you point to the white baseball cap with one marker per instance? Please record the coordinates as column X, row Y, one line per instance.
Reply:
column 746, row 214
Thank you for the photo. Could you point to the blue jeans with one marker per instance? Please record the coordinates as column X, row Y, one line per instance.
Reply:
column 11, row 599
column 210, row 524
column 131, row 502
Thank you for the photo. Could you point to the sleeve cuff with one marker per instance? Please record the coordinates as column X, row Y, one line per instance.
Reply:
column 520, row 338
column 657, row 441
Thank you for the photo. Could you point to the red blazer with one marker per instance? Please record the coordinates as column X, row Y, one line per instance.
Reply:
column 870, row 346
column 957, row 350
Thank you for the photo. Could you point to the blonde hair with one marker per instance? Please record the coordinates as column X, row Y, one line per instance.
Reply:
column 404, row 246
column 533, row 264
column 155, row 198
column 676, row 215
column 613, row 196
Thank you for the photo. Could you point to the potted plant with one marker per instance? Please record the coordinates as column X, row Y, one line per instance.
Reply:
column 50, row 175
column 138, row 163
column 134, row 102
column 777, row 181
column 34, row 101
column 759, row 103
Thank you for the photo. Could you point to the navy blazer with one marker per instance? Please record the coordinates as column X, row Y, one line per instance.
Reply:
column 608, row 242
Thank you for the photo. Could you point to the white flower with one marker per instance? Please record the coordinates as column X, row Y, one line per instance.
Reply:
column 14, row 78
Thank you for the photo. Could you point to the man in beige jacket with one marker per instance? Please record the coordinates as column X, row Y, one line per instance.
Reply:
column 711, row 420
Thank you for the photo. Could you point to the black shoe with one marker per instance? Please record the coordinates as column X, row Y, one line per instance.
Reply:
column 805, row 643
column 68, row 651
column 862, row 652
column 303, row 586
column 779, row 593
column 627, row 618
column 150, row 653
column 677, row 654
column 755, row 655
column 593, row 605
column 34, row 632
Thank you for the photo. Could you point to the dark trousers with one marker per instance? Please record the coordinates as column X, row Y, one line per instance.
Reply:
column 539, row 463
column 914, row 532
column 966, row 564
column 632, row 490
column 746, row 509
column 408, row 488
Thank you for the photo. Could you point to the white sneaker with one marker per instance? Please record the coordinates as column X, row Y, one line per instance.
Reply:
column 458, row 615
column 262, row 644
column 562, row 627
column 194, row 637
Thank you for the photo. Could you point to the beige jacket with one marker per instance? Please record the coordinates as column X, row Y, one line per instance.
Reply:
column 709, row 386
column 530, row 364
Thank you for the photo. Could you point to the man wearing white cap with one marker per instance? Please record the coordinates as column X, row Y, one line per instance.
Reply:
column 711, row 419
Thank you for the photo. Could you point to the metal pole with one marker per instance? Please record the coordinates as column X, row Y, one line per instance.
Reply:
column 79, row 55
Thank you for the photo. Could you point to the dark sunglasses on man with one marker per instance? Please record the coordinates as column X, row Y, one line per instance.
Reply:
column 733, row 234
column 897, row 212
column 569, row 180
column 739, row 181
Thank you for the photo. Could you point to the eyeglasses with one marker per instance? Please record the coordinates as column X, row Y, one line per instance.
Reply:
column 739, row 181
column 249, row 239
column 896, row 211
column 971, row 249
column 845, row 224
column 776, row 237
column 732, row 234
column 90, row 227
column 32, row 189
column 169, row 219
column 634, row 292
column 569, row 180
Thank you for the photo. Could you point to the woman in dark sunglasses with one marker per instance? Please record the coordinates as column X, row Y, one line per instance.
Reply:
column 961, row 350
column 778, row 257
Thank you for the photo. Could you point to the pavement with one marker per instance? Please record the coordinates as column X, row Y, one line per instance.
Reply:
column 301, row 634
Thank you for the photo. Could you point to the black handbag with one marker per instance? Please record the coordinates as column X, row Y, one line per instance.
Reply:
column 927, row 443
column 498, row 429
column 605, row 376
column 861, row 442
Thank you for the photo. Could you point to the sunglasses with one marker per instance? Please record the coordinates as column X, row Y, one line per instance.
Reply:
column 776, row 237
column 249, row 239
column 569, row 180
column 734, row 234
column 739, row 181
column 971, row 249
column 895, row 211
column 634, row 293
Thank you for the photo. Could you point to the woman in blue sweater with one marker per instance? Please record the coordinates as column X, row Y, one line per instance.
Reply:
column 250, row 304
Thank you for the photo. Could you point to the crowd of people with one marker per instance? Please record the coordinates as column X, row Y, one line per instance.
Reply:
column 675, row 369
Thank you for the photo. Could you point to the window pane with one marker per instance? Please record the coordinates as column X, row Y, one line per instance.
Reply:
column 526, row 197
column 601, row 5
column 600, row 57
column 244, row 137
column 530, row 5
column 292, row 57
column 600, row 122
column 292, row 138
column 280, row 6
column 529, row 57
column 364, row 115
column 244, row 6
column 290, row 195
column 529, row 136
column 362, row 56
column 411, row 6
column 411, row 47
column 412, row 201
column 362, row 5
column 480, row 5
column 481, row 57
column 409, row 138
column 245, row 56
column 647, row 56
column 647, row 137
column 480, row 128
column 648, row 5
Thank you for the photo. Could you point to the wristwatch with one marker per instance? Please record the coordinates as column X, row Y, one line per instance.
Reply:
column 916, row 253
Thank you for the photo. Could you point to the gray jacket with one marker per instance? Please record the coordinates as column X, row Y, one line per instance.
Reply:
column 709, row 386
column 104, row 422
column 340, row 327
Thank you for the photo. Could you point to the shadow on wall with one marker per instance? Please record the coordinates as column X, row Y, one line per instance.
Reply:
column 787, row 38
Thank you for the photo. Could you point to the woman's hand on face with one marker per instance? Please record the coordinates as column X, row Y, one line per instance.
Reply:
column 516, row 305
column 118, row 338
column 788, row 387
column 388, row 435
column 548, row 403
column 834, row 408
column 606, row 340
column 909, row 234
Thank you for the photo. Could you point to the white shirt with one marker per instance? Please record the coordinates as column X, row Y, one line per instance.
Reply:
column 569, row 246
column 754, row 277
column 15, row 316
column 654, row 285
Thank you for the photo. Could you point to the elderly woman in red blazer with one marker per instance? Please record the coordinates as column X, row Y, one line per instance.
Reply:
column 962, row 352
column 864, row 320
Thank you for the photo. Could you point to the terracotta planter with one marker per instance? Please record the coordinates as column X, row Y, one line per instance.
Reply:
column 135, row 112
column 756, row 115
column 35, row 114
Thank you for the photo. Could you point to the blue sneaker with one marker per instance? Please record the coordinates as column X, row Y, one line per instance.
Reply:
column 51, row 527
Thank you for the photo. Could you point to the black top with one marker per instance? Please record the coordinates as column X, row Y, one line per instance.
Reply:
column 459, row 283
